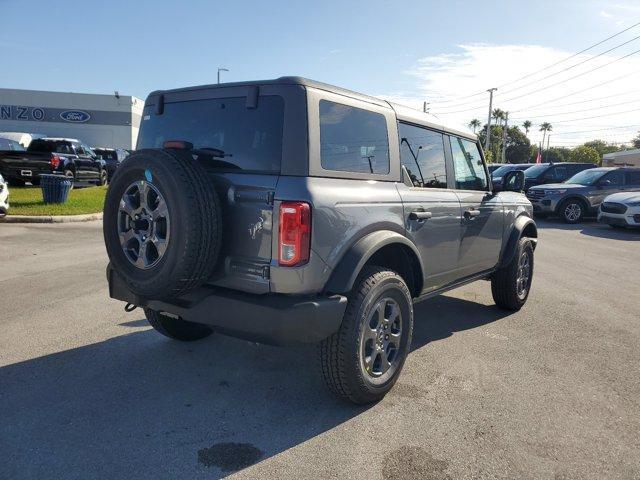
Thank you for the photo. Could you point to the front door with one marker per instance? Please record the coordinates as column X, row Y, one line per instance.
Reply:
column 431, row 210
column 482, row 219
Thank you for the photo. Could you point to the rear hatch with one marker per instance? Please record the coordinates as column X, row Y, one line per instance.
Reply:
column 238, row 139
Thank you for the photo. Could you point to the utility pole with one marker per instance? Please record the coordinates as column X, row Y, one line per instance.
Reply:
column 504, row 137
column 221, row 70
column 425, row 108
column 487, row 140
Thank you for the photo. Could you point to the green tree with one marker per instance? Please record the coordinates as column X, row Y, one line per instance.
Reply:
column 474, row 124
column 603, row 147
column 518, row 146
column 636, row 141
column 544, row 128
column 527, row 125
column 557, row 154
column 585, row 154
column 497, row 114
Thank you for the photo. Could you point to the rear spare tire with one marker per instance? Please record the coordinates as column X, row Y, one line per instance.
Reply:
column 161, row 223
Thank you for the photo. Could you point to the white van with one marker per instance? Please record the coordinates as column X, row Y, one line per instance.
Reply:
column 22, row 138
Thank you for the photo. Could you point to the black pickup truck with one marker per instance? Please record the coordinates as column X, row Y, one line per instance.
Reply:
column 65, row 156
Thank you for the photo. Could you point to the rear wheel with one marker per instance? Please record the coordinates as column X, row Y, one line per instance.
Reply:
column 71, row 176
column 510, row 285
column 362, row 361
column 572, row 210
column 103, row 178
column 176, row 328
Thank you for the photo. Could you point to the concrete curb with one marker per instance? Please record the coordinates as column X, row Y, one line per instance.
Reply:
column 50, row 218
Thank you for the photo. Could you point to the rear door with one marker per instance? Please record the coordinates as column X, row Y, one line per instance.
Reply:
column 482, row 219
column 431, row 210
column 239, row 141
column 632, row 180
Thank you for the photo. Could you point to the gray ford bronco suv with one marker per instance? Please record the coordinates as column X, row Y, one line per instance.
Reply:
column 288, row 211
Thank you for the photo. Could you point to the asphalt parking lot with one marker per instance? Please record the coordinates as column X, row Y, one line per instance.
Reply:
column 89, row 391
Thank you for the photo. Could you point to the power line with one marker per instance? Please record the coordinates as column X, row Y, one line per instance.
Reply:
column 572, row 78
column 455, row 99
column 583, row 90
column 598, row 130
column 595, row 116
column 578, row 111
column 582, row 101
column 571, row 66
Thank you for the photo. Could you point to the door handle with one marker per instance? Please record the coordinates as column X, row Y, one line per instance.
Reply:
column 419, row 215
column 471, row 214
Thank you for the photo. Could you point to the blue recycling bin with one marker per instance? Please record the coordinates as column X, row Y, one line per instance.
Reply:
column 55, row 188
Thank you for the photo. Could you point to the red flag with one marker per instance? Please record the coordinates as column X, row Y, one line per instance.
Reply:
column 539, row 157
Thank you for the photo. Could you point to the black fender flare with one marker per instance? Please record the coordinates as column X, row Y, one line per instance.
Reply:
column 346, row 272
column 523, row 226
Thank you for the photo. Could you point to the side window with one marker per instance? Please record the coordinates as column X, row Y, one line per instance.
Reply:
column 633, row 178
column 78, row 148
column 467, row 162
column 614, row 179
column 422, row 154
column 560, row 173
column 353, row 139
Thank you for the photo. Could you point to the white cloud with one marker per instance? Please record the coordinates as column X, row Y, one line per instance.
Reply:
column 605, row 14
column 452, row 82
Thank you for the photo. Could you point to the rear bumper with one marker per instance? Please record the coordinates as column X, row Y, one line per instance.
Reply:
column 273, row 319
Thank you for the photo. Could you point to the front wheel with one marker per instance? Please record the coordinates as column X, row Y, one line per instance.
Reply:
column 104, row 178
column 510, row 285
column 176, row 328
column 362, row 361
column 572, row 210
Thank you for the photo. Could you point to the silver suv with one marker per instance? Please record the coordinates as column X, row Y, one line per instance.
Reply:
column 583, row 193
column 288, row 211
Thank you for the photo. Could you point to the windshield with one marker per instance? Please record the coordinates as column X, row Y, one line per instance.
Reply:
column 499, row 172
column 535, row 171
column 587, row 177
column 222, row 132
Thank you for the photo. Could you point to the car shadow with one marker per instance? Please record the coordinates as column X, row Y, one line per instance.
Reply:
column 142, row 406
column 592, row 228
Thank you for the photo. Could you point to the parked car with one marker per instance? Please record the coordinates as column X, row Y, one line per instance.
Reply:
column 545, row 173
column 583, row 193
column 492, row 167
column 4, row 196
column 9, row 145
column 497, row 174
column 290, row 211
column 66, row 156
column 113, row 157
column 621, row 209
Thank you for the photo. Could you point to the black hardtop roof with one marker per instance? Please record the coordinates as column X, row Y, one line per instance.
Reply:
column 286, row 80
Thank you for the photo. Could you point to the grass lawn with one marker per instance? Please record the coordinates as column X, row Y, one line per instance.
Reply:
column 28, row 201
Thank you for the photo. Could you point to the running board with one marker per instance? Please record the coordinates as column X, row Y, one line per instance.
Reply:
column 478, row 276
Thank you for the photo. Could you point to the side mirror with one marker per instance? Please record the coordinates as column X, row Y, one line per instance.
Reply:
column 513, row 181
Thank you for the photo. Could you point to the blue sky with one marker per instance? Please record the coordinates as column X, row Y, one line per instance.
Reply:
column 372, row 46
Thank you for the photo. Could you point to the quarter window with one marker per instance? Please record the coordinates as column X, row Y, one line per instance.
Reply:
column 468, row 165
column 353, row 139
column 422, row 154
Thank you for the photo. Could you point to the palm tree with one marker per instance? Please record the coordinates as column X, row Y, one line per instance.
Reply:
column 544, row 128
column 474, row 124
column 497, row 114
column 527, row 125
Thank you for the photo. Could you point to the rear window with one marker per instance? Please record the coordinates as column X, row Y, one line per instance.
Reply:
column 224, row 133
column 50, row 146
column 353, row 139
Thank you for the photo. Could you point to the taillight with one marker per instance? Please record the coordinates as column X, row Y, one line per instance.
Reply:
column 294, row 242
column 55, row 160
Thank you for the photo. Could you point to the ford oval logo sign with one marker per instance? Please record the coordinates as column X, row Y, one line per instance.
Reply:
column 76, row 116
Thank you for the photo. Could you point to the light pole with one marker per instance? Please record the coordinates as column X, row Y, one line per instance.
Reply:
column 487, row 140
column 504, row 137
column 221, row 70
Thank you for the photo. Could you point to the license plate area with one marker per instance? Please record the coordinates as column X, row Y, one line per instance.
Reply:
column 26, row 173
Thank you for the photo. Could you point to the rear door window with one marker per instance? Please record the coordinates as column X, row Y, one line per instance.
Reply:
column 222, row 132
column 422, row 154
column 353, row 139
column 469, row 168
column 632, row 178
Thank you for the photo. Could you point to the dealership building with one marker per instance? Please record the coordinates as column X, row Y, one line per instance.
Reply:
column 98, row 120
